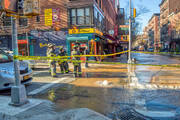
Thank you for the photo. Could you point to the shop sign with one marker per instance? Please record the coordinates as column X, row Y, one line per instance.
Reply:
column 56, row 19
column 124, row 37
column 48, row 17
column 22, row 41
column 85, row 30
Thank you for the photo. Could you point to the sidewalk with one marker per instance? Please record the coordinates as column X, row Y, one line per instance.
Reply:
column 38, row 109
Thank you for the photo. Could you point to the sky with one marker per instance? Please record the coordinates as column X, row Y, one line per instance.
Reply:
column 152, row 6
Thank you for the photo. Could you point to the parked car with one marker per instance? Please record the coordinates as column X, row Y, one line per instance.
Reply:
column 7, row 77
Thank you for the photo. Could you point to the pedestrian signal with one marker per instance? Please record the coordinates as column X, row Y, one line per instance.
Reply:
column 8, row 6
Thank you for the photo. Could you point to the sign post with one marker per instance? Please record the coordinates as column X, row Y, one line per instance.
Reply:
column 18, row 91
column 130, row 37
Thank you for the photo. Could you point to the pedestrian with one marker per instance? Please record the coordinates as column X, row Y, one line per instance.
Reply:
column 64, row 67
column 52, row 63
column 76, row 61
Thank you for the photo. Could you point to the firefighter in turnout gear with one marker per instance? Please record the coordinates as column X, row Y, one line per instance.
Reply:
column 52, row 63
column 76, row 61
column 64, row 67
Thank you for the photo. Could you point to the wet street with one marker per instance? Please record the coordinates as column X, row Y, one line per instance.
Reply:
column 119, row 91
column 124, row 91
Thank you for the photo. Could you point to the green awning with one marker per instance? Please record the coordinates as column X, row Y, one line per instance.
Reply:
column 84, row 38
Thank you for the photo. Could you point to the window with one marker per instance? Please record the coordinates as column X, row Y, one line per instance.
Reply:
column 6, row 21
column 37, row 18
column 23, row 21
column 73, row 16
column 80, row 16
column 100, row 3
column 87, row 15
column 95, row 13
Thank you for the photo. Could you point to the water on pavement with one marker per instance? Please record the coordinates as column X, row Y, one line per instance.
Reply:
column 123, row 91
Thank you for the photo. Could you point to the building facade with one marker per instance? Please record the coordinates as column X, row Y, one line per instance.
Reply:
column 152, row 32
column 50, row 24
column 169, row 10
column 91, row 22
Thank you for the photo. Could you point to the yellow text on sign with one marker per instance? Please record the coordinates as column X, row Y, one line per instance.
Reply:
column 48, row 17
column 85, row 30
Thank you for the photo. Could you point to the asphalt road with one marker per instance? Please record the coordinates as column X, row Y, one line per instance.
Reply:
column 116, row 91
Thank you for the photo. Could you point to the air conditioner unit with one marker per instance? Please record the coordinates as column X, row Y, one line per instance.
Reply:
column 31, row 7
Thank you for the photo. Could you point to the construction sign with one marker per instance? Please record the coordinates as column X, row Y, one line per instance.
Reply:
column 48, row 17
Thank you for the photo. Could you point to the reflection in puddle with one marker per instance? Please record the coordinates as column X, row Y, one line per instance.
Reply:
column 110, row 93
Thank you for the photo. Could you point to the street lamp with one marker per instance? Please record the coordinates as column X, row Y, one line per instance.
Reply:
column 129, row 57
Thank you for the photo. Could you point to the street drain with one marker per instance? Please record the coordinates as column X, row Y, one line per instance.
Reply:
column 127, row 114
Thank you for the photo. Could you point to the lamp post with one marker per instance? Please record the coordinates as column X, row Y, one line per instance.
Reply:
column 18, row 91
column 130, row 37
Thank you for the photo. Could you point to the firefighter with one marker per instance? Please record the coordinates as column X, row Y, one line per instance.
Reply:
column 52, row 63
column 64, row 67
column 48, row 54
column 76, row 61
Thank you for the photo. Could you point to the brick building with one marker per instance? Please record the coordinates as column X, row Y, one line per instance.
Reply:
column 34, row 31
column 88, row 17
column 152, row 32
column 168, row 8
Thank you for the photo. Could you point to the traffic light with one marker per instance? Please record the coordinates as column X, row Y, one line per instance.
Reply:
column 134, row 12
column 9, row 6
column 20, row 6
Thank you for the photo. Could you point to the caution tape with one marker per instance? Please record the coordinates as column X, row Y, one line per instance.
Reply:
column 65, row 58
column 170, row 53
column 96, row 62
column 62, row 57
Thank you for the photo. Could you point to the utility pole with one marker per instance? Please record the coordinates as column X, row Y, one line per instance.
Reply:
column 18, row 91
column 130, row 37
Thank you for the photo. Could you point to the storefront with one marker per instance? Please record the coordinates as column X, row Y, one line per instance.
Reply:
column 90, row 38
column 110, row 45
column 24, row 45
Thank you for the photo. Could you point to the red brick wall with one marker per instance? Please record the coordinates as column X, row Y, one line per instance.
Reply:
column 174, row 6
column 54, row 4
column 33, row 25
column 110, row 14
